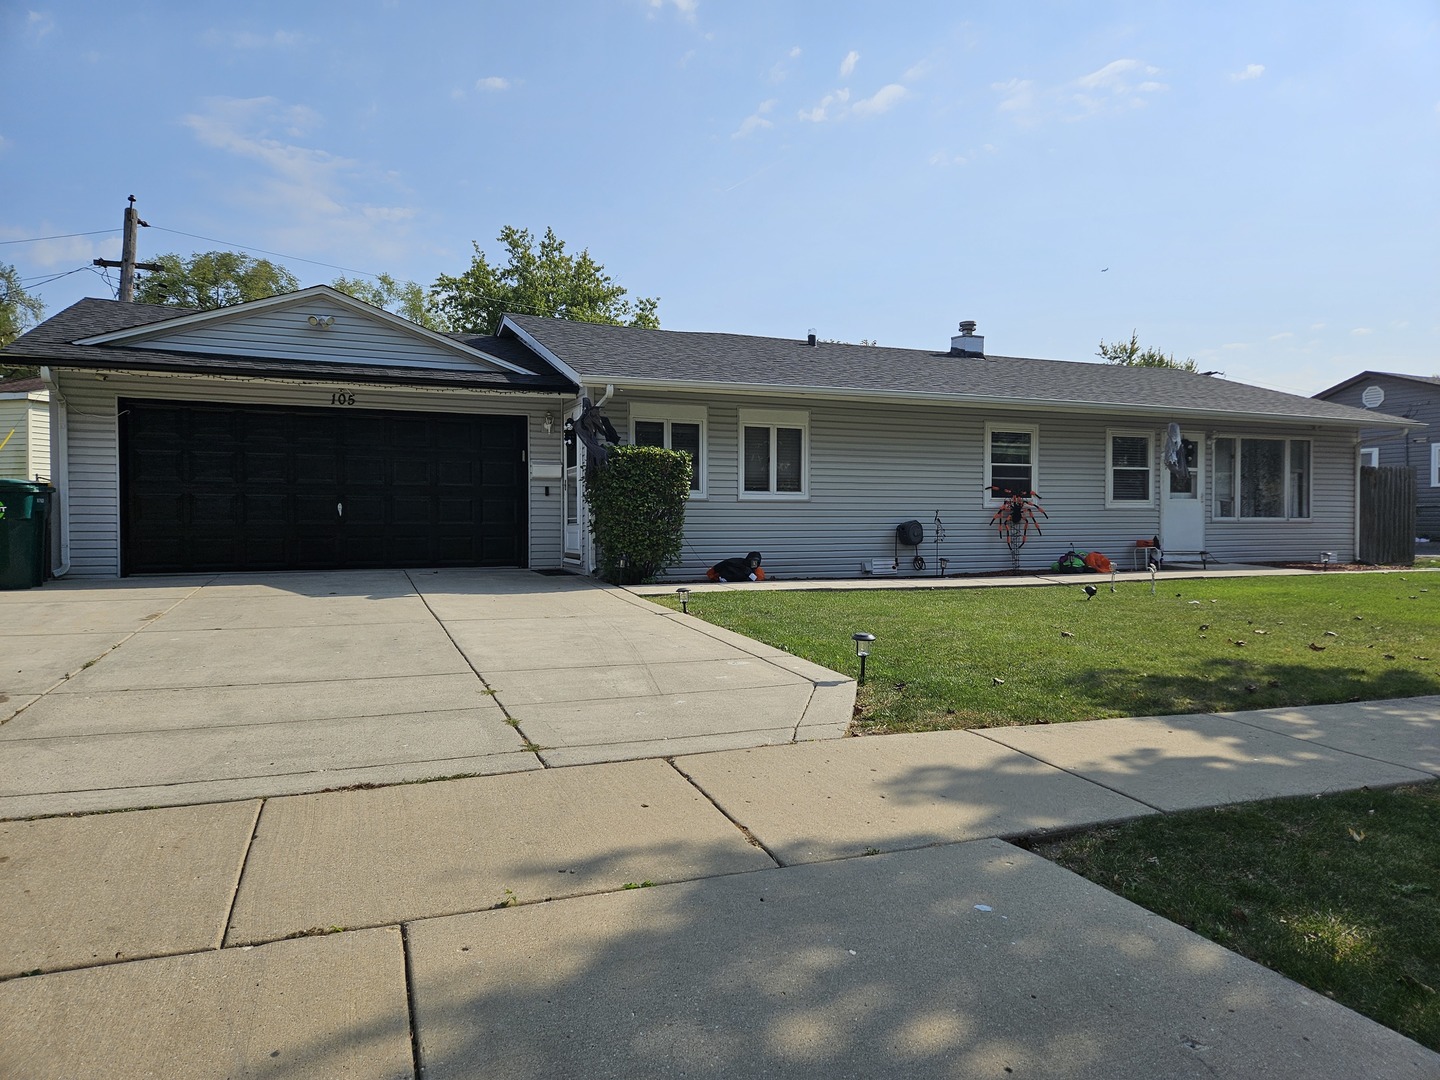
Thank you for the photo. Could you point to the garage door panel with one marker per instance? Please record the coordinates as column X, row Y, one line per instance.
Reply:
column 231, row 487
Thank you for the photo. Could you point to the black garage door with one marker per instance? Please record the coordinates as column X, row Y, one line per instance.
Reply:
column 232, row 487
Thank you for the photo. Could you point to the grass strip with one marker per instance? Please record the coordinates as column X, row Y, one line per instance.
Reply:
column 1340, row 893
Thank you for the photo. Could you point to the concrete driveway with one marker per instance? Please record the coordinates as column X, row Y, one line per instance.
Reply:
column 171, row 691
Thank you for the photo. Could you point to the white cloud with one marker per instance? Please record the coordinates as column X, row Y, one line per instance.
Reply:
column 1284, row 335
column 821, row 112
column 686, row 8
column 1234, row 345
column 1252, row 71
column 1118, row 86
column 943, row 159
column 883, row 100
column 794, row 51
column 847, row 66
column 1361, row 331
column 312, row 198
column 492, row 82
column 755, row 121
column 38, row 24
column 4, row 142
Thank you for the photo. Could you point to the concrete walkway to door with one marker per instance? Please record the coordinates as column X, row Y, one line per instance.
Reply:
column 170, row 691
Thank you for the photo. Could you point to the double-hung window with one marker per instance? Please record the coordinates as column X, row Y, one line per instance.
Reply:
column 1261, row 478
column 674, row 427
column 1011, row 460
column 774, row 454
column 1128, row 463
column 1435, row 464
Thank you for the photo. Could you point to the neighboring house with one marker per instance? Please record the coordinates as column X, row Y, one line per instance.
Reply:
column 311, row 431
column 24, row 430
column 1417, row 398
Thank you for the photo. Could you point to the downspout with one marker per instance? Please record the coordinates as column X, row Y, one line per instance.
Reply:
column 60, row 467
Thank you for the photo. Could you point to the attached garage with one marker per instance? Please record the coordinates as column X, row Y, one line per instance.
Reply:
column 213, row 487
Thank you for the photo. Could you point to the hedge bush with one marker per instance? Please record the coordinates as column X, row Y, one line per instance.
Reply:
column 637, row 511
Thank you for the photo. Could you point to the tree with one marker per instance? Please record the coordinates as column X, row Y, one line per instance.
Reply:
column 547, row 281
column 403, row 298
column 1130, row 354
column 18, row 309
column 214, row 279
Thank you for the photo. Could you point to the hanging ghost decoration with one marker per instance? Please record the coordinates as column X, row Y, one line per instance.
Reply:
column 595, row 430
column 1174, row 456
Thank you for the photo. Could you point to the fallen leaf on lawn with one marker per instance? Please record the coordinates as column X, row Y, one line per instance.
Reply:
column 997, row 681
column 1262, row 631
column 1239, row 643
column 1251, row 688
column 1356, row 836
column 1331, row 633
column 1389, row 656
column 1422, row 658
column 1066, row 633
column 1317, row 648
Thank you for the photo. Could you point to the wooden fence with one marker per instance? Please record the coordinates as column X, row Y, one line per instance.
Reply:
column 1387, row 515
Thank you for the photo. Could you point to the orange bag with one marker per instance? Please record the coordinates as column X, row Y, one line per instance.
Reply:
column 1097, row 562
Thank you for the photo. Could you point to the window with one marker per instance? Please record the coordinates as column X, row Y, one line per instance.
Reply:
column 774, row 460
column 1010, row 460
column 1261, row 478
column 1370, row 456
column 1435, row 464
column 1127, row 463
column 674, row 427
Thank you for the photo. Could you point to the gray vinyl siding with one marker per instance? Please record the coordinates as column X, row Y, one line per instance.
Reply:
column 286, row 334
column 1420, row 400
column 873, row 467
column 94, row 496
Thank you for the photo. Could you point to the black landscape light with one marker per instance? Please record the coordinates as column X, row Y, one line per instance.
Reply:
column 684, row 595
column 862, row 650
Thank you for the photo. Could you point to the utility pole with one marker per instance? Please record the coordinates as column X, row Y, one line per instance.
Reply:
column 127, row 263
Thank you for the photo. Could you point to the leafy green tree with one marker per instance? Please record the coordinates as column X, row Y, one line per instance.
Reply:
column 1130, row 354
column 18, row 309
column 637, row 511
column 403, row 298
column 536, row 281
column 214, row 279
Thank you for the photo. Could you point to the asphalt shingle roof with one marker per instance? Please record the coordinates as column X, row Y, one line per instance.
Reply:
column 602, row 353
column 53, row 343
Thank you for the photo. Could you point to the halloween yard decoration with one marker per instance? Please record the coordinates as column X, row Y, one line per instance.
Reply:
column 1174, row 456
column 746, row 569
column 594, row 429
column 1015, row 518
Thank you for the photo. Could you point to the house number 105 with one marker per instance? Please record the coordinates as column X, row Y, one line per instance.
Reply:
column 342, row 398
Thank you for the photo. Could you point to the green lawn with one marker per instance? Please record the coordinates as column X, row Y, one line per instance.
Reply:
column 1340, row 893
column 988, row 657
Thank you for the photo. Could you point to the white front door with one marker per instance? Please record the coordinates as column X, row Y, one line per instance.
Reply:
column 1182, row 506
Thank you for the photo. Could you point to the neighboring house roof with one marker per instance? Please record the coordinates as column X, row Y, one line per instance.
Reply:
column 1433, row 380
column 53, row 343
column 601, row 354
column 22, row 387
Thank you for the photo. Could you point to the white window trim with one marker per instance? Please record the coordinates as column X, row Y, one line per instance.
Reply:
column 1124, row 504
column 657, row 413
column 1435, row 464
column 989, row 499
column 1240, row 471
column 1370, row 455
column 772, row 419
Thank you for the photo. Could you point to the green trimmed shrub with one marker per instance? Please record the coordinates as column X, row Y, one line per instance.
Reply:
column 637, row 511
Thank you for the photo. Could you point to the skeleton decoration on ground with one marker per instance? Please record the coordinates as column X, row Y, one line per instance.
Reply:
column 1174, row 456
column 594, row 430
column 1015, row 518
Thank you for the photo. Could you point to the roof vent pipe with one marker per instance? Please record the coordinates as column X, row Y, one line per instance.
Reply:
column 810, row 338
column 967, row 342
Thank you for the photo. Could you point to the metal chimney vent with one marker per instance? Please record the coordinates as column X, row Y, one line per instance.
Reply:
column 967, row 343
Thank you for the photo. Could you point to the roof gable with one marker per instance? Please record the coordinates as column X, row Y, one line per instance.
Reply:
column 316, row 325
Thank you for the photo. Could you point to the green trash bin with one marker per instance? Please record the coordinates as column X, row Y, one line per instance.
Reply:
column 23, row 533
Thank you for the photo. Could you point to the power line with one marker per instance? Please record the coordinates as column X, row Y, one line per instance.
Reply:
column 36, row 283
column 277, row 254
column 59, row 236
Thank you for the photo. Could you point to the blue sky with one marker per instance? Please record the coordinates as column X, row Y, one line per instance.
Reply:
column 1255, row 185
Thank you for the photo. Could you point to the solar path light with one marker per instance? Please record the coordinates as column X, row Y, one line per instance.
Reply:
column 862, row 650
column 684, row 595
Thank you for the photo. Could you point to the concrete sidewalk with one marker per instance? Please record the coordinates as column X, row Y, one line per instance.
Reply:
column 705, row 915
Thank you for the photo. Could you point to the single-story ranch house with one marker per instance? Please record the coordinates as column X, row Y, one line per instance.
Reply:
column 312, row 431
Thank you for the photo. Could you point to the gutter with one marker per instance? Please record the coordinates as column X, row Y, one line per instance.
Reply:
column 60, row 467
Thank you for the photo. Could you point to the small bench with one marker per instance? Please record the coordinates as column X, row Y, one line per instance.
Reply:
column 1145, row 552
